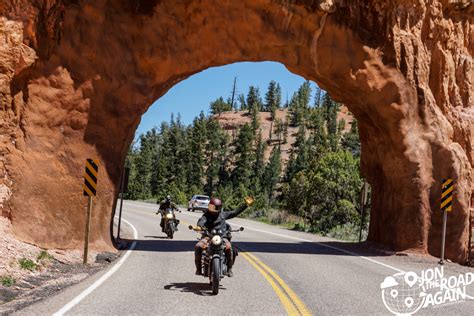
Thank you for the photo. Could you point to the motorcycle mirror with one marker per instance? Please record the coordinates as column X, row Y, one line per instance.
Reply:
column 241, row 228
column 190, row 227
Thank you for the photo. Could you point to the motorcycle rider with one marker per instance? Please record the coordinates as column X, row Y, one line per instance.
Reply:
column 165, row 204
column 214, row 218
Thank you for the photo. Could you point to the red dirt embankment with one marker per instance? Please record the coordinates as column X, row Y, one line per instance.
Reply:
column 232, row 121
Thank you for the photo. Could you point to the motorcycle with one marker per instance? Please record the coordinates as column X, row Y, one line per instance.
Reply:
column 170, row 223
column 214, row 261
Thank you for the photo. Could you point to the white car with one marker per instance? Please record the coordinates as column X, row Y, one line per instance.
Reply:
column 198, row 202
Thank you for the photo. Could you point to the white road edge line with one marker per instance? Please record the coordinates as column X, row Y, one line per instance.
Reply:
column 102, row 279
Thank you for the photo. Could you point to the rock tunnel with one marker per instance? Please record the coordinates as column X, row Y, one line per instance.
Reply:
column 76, row 77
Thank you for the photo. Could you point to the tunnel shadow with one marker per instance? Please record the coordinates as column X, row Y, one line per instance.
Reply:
column 333, row 248
column 202, row 289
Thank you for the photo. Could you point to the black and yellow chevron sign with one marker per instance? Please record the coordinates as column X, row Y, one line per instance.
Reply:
column 90, row 177
column 447, row 195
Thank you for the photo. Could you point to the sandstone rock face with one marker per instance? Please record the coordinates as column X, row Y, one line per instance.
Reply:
column 76, row 76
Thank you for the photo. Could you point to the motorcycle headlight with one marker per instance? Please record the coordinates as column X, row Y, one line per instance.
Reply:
column 216, row 240
column 169, row 216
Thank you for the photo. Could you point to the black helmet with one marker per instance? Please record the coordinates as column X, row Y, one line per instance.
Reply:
column 214, row 206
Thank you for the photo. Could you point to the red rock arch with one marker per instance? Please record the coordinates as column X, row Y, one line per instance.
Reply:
column 79, row 74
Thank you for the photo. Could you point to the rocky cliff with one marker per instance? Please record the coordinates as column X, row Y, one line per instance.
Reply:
column 77, row 75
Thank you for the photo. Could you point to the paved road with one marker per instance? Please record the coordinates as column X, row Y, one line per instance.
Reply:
column 280, row 272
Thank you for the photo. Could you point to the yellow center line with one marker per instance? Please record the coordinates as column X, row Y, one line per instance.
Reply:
column 289, row 307
column 294, row 298
column 290, row 301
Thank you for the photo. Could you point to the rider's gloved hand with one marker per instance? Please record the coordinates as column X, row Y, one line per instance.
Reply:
column 249, row 200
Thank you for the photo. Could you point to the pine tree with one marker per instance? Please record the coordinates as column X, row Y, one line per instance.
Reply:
column 132, row 181
column 318, row 144
column 291, row 166
column 299, row 104
column 351, row 140
column 143, row 164
column 304, row 94
column 219, row 105
column 330, row 110
column 272, row 171
column 217, row 141
column 294, row 111
column 318, row 97
column 259, row 163
column 162, row 162
column 255, row 120
column 285, row 132
column 302, row 154
column 243, row 157
column 233, row 94
column 198, row 137
column 254, row 101
column 242, row 102
column 279, row 130
column 272, row 97
column 272, row 102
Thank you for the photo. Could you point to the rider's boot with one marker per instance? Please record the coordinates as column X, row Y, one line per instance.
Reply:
column 230, row 263
column 198, row 268
column 197, row 259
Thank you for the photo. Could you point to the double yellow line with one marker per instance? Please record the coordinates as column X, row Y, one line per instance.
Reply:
column 291, row 302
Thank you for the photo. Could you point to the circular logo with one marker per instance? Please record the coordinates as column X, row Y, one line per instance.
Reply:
column 402, row 293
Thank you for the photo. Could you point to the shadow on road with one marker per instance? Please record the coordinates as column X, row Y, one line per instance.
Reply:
column 203, row 289
column 321, row 248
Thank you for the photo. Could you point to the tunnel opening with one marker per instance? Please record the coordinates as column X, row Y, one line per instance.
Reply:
column 288, row 144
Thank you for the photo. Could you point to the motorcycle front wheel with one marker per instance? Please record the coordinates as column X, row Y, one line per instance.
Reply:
column 216, row 266
column 171, row 230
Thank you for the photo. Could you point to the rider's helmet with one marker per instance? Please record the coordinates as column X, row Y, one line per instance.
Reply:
column 168, row 199
column 214, row 206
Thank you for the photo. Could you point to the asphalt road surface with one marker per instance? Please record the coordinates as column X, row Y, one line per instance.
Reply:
column 278, row 272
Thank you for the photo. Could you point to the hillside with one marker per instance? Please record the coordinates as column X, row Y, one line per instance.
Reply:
column 232, row 121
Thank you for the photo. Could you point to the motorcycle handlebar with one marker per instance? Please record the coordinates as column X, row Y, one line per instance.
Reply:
column 200, row 229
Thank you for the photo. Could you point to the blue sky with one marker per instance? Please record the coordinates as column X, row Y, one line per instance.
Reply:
column 194, row 94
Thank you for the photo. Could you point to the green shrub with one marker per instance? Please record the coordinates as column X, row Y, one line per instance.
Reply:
column 27, row 264
column 347, row 231
column 7, row 280
column 44, row 255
